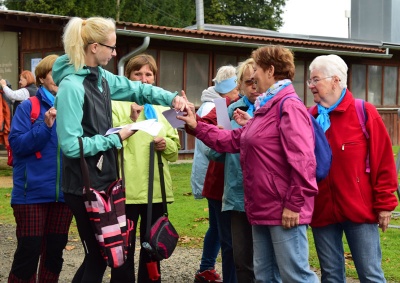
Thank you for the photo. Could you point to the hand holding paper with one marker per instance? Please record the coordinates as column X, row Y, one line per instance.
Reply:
column 126, row 132
column 151, row 126
column 222, row 113
column 171, row 114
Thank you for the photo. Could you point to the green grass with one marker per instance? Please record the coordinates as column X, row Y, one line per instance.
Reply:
column 5, row 170
column 6, row 215
column 190, row 218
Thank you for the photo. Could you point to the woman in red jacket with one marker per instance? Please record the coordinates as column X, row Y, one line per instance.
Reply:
column 351, row 199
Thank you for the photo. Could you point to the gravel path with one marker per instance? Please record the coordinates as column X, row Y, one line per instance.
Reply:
column 180, row 267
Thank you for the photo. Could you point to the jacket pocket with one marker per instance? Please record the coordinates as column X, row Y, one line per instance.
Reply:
column 274, row 187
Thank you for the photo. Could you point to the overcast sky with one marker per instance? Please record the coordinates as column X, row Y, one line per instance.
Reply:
column 316, row 17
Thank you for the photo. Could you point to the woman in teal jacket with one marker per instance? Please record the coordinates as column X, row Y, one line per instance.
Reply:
column 233, row 197
column 84, row 111
column 136, row 158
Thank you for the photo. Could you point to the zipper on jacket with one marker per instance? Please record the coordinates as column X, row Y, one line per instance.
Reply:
column 348, row 143
column 26, row 183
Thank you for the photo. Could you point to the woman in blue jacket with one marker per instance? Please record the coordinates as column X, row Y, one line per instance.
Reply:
column 42, row 217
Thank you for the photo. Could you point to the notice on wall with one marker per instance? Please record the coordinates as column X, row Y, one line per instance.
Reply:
column 34, row 63
column 5, row 69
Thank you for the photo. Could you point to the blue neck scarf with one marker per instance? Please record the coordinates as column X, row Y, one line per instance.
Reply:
column 50, row 97
column 323, row 113
column 150, row 112
column 250, row 105
column 270, row 93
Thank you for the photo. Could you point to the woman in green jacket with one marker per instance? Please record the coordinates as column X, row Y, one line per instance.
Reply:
column 136, row 158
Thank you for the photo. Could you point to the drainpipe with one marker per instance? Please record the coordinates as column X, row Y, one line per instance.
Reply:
column 347, row 15
column 140, row 49
column 200, row 14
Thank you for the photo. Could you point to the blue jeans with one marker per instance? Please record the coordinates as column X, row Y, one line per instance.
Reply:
column 364, row 243
column 211, row 244
column 223, row 222
column 281, row 255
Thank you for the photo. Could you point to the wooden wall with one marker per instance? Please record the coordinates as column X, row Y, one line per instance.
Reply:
column 391, row 120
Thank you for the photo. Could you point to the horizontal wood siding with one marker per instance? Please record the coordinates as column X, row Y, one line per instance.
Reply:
column 391, row 121
column 40, row 40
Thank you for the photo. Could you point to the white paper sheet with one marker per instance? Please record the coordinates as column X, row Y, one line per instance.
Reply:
column 171, row 114
column 150, row 126
column 222, row 113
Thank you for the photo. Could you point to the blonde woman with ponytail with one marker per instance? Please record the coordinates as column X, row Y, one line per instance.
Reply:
column 83, row 106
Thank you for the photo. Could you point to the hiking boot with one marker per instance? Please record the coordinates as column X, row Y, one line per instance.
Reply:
column 207, row 276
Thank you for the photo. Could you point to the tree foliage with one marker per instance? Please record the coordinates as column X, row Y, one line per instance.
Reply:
column 173, row 13
column 265, row 14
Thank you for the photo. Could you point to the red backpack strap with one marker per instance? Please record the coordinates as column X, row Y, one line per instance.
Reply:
column 362, row 119
column 35, row 108
column 35, row 111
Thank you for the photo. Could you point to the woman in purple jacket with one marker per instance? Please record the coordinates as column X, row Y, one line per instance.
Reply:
column 278, row 161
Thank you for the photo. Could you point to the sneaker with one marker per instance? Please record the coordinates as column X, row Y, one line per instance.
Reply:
column 207, row 276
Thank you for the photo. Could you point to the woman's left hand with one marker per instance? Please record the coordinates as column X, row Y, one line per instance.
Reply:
column 160, row 144
column 241, row 117
column 384, row 219
column 50, row 117
column 290, row 218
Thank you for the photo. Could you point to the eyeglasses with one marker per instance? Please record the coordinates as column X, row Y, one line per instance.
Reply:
column 111, row 47
column 314, row 81
column 250, row 82
column 105, row 45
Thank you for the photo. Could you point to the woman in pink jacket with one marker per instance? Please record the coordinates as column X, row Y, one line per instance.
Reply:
column 278, row 161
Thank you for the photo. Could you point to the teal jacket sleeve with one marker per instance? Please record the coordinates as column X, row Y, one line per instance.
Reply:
column 216, row 156
column 123, row 89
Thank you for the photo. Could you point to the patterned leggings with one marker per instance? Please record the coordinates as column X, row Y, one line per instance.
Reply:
column 42, row 233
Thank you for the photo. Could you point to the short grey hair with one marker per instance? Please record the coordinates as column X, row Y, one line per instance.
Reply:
column 224, row 72
column 331, row 65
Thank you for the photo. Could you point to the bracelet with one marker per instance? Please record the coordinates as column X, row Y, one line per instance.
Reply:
column 119, row 136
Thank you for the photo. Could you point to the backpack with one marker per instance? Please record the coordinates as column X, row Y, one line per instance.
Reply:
column 35, row 111
column 362, row 119
column 322, row 149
